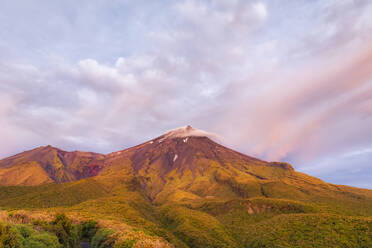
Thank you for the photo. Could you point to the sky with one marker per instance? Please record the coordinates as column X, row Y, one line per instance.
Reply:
column 276, row 79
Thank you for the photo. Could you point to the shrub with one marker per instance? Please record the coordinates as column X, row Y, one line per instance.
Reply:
column 89, row 229
column 67, row 233
column 25, row 231
column 10, row 237
column 125, row 243
column 44, row 240
column 102, row 239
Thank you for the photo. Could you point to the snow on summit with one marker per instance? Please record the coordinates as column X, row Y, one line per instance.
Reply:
column 186, row 131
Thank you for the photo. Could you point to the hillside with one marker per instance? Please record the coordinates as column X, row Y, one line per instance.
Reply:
column 48, row 164
column 191, row 191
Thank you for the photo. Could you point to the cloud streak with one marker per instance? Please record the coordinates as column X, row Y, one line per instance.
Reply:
column 285, row 117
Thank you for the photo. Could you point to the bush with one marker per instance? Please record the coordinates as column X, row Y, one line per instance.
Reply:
column 67, row 233
column 125, row 244
column 102, row 239
column 10, row 237
column 25, row 231
column 89, row 229
column 24, row 236
column 44, row 240
column 60, row 233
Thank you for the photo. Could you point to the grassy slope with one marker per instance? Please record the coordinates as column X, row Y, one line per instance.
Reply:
column 29, row 173
column 45, row 157
column 215, row 209
column 51, row 195
column 311, row 230
column 48, row 164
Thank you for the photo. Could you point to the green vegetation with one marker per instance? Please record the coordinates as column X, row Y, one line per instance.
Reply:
column 102, row 239
column 130, row 219
column 195, row 228
column 51, row 195
column 59, row 233
column 88, row 229
column 67, row 233
column 311, row 230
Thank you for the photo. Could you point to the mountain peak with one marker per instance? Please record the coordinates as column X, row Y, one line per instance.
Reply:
column 186, row 131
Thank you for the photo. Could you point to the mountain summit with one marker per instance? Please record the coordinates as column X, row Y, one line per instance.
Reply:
column 186, row 131
column 185, row 161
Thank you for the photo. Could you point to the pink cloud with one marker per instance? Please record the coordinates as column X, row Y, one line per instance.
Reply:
column 291, row 116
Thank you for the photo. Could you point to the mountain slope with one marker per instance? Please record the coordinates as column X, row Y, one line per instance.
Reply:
column 29, row 173
column 191, row 191
column 48, row 164
column 182, row 166
column 189, row 166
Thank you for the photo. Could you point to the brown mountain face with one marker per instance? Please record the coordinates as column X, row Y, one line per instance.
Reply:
column 48, row 164
column 186, row 163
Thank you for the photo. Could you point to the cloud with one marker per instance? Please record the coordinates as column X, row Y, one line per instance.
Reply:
column 282, row 81
column 261, row 10
column 295, row 116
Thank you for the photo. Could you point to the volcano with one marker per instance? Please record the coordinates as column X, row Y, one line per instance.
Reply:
column 188, row 155
column 192, row 191
column 188, row 162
